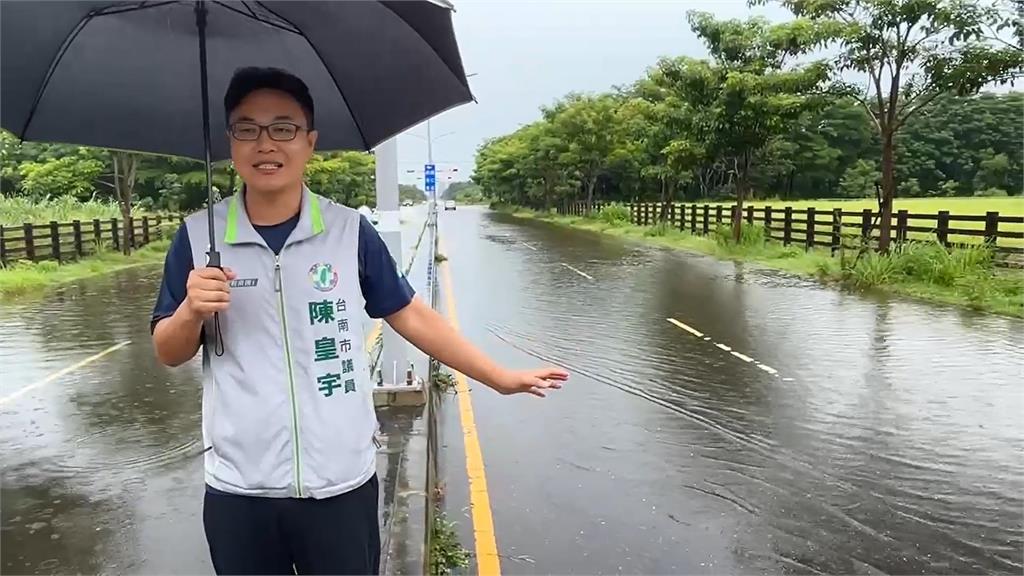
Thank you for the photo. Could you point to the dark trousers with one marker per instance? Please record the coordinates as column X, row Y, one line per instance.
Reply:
column 251, row 535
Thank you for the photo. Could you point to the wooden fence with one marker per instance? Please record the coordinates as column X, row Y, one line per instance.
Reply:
column 836, row 228
column 65, row 241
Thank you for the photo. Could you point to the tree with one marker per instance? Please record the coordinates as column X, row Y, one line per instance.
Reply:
column 912, row 51
column 585, row 125
column 345, row 177
column 750, row 93
column 125, row 164
column 407, row 192
column 73, row 175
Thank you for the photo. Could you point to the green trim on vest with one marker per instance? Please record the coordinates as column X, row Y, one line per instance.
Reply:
column 316, row 218
column 231, row 225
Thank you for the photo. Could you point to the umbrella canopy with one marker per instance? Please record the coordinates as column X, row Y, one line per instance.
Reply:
column 126, row 75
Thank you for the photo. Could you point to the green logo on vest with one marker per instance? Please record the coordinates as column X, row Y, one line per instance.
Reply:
column 323, row 276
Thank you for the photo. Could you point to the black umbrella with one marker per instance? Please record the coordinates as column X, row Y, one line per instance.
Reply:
column 138, row 75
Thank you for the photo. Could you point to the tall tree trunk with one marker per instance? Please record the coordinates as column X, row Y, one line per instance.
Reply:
column 124, row 185
column 590, row 193
column 888, row 189
column 664, row 194
column 742, row 172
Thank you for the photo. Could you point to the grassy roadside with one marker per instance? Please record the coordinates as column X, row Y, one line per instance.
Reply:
column 920, row 270
column 26, row 278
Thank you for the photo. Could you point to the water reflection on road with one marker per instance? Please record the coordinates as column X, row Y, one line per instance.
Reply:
column 887, row 439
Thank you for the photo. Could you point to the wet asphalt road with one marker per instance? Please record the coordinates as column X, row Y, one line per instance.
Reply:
column 851, row 433
column 101, row 468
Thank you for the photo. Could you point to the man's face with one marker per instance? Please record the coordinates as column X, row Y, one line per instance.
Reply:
column 270, row 162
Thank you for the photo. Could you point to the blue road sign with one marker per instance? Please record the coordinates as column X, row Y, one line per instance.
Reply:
column 429, row 177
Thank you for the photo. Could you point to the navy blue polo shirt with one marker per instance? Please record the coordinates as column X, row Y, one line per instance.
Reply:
column 384, row 289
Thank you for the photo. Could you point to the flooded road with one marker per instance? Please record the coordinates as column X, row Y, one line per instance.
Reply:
column 776, row 426
column 100, row 443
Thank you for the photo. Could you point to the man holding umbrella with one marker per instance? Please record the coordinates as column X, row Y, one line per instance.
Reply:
column 287, row 401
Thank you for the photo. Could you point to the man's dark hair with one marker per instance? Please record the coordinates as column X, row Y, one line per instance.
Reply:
column 248, row 80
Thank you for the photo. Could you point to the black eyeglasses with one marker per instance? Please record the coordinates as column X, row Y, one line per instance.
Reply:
column 278, row 131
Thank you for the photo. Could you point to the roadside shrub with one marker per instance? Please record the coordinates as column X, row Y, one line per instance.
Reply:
column 659, row 229
column 614, row 214
column 991, row 192
column 751, row 236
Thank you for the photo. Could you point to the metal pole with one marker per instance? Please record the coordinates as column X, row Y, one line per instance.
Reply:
column 212, row 256
column 430, row 160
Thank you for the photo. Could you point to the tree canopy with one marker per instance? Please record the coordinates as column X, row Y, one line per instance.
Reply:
column 762, row 118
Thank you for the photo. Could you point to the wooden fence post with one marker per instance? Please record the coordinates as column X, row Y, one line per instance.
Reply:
column 837, row 229
column 991, row 228
column 693, row 219
column 768, row 222
column 55, row 240
column 145, row 229
column 750, row 214
column 810, row 228
column 707, row 212
column 113, row 234
column 30, row 242
column 672, row 214
column 865, row 227
column 3, row 247
column 942, row 228
column 77, row 227
column 901, row 226
column 97, row 232
column 787, row 226
column 682, row 217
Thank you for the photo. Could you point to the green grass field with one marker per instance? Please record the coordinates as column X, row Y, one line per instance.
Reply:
column 1006, row 206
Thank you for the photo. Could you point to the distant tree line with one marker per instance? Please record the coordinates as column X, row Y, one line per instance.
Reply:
column 760, row 118
column 39, row 171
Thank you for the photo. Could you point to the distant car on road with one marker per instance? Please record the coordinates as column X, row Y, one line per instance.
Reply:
column 449, row 205
column 407, row 203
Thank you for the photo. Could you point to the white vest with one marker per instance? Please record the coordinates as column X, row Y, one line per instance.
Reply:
column 288, row 407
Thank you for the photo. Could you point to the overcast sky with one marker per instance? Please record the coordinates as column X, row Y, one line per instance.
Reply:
column 529, row 54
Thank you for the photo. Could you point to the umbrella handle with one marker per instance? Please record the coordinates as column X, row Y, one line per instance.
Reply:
column 213, row 261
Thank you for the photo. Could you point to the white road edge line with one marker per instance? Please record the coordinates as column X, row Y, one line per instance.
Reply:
column 528, row 246
column 64, row 372
column 723, row 347
column 584, row 274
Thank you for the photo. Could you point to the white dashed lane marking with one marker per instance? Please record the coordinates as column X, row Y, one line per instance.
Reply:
column 584, row 274
column 725, row 348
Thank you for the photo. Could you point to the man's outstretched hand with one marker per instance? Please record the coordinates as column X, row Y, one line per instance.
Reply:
column 535, row 382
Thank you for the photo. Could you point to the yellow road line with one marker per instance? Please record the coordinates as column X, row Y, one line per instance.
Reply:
column 487, row 561
column 685, row 327
column 64, row 372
